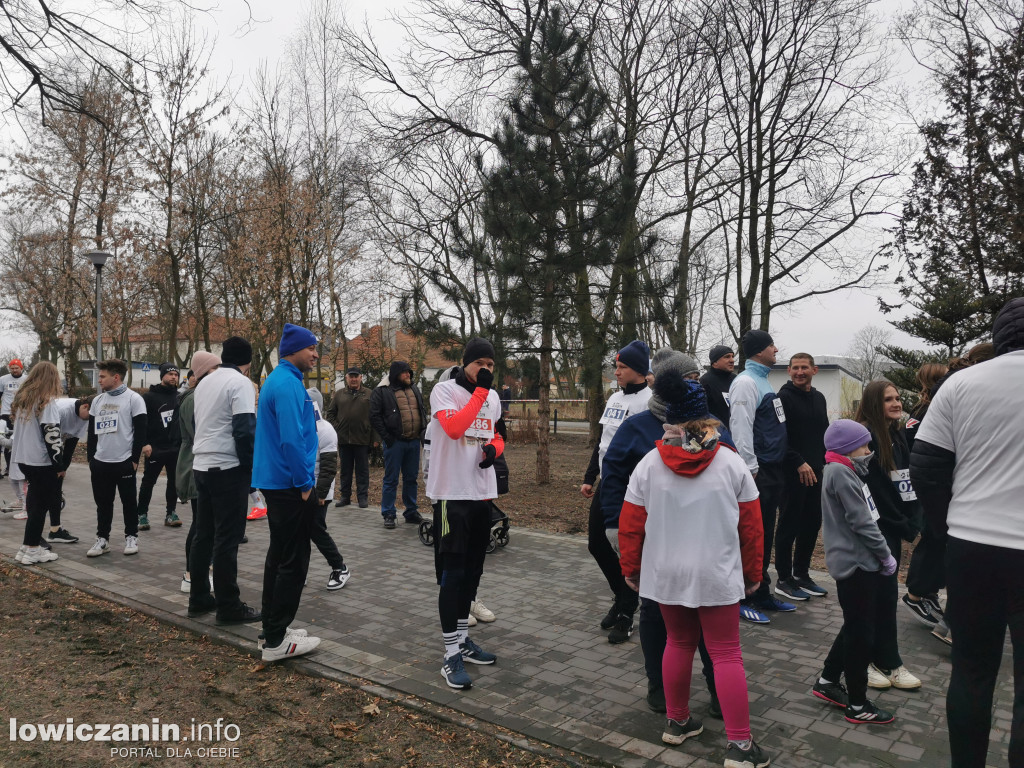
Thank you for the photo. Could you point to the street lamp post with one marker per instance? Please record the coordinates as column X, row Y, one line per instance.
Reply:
column 98, row 259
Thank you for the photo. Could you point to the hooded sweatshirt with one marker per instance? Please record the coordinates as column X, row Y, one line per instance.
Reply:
column 691, row 526
column 396, row 409
column 716, row 384
column 849, row 521
column 162, row 427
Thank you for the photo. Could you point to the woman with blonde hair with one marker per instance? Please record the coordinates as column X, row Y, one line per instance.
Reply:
column 37, row 450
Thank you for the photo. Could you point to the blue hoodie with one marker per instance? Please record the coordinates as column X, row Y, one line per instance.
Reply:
column 286, row 441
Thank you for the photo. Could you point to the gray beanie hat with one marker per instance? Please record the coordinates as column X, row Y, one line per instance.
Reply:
column 667, row 358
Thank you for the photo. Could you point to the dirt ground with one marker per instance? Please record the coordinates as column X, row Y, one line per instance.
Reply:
column 65, row 654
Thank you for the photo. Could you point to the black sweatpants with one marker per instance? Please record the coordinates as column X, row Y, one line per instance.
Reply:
column 862, row 596
column 601, row 550
column 157, row 462
column 220, row 524
column 462, row 530
column 108, row 479
column 284, row 572
column 927, row 572
column 887, row 646
column 799, row 524
column 357, row 458
column 320, row 536
column 770, row 485
column 986, row 595
column 43, row 496
column 653, row 639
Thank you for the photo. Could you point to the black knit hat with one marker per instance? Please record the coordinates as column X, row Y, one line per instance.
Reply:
column 477, row 348
column 236, row 351
column 685, row 399
column 168, row 368
column 754, row 341
column 718, row 352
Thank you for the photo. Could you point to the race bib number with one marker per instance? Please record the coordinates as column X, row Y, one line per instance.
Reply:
column 613, row 415
column 871, row 502
column 728, row 400
column 482, row 428
column 901, row 481
column 778, row 410
column 106, row 423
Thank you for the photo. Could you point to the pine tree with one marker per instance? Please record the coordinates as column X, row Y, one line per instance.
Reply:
column 553, row 198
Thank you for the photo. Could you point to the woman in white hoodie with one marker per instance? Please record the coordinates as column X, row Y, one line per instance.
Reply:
column 691, row 540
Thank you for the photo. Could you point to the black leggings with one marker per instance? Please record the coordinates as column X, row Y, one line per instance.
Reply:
column 864, row 600
column 43, row 496
column 459, row 572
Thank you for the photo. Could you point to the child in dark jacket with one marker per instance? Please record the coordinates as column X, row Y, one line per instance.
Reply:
column 859, row 560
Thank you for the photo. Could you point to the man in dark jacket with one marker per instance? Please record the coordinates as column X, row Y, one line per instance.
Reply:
column 717, row 380
column 162, row 450
column 968, row 471
column 800, row 515
column 398, row 416
column 349, row 414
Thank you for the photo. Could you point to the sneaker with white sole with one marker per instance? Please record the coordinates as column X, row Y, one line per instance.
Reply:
column 789, row 588
column 99, row 548
column 902, row 679
column 131, row 545
column 481, row 612
column 22, row 515
column 292, row 645
column 21, row 554
column 186, row 583
column 35, row 555
column 868, row 714
column 922, row 610
column 474, row 654
column 676, row 732
column 261, row 639
column 338, row 578
column 754, row 757
column 62, row 536
column 877, row 678
column 454, row 672
column 471, row 620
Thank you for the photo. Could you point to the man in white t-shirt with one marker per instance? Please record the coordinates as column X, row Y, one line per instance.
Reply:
column 225, row 434
column 967, row 468
column 465, row 440
column 9, row 384
column 117, row 432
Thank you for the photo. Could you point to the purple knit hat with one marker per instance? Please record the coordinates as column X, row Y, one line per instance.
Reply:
column 844, row 436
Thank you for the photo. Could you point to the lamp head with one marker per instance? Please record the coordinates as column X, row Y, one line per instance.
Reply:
column 98, row 258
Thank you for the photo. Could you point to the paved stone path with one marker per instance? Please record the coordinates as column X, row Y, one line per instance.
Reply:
column 557, row 679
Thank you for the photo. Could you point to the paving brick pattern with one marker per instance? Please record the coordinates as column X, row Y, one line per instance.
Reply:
column 557, row 678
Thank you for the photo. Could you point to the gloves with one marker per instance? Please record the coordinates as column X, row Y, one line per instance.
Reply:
column 484, row 378
column 889, row 566
column 613, row 538
column 490, row 454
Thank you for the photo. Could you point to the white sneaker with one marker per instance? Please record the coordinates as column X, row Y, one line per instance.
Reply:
column 472, row 620
column 481, row 611
column 902, row 679
column 292, row 645
column 21, row 515
column 20, row 555
column 877, row 678
column 131, row 545
column 35, row 555
column 99, row 548
column 260, row 642
column 338, row 578
column 186, row 583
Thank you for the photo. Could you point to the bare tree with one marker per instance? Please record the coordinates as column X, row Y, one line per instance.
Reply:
column 868, row 359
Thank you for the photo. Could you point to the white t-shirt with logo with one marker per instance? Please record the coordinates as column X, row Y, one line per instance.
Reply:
column 219, row 396
column 28, row 446
column 9, row 385
column 619, row 407
column 978, row 414
column 691, row 553
column 327, row 440
column 112, row 417
column 70, row 424
column 454, row 472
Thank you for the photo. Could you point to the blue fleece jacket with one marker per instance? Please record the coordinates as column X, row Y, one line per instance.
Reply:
column 286, row 441
column 757, row 419
column 632, row 441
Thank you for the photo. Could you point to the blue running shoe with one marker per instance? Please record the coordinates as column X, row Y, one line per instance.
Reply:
column 789, row 589
column 808, row 585
column 454, row 672
column 474, row 654
column 749, row 613
column 769, row 603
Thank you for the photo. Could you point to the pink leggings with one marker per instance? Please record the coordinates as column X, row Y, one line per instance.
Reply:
column 721, row 627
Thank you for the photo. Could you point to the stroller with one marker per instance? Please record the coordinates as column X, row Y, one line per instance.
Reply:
column 499, row 530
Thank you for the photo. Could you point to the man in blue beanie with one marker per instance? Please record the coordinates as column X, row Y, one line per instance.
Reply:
column 758, row 425
column 284, row 471
column 631, row 366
